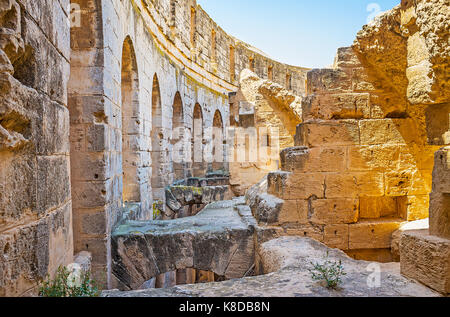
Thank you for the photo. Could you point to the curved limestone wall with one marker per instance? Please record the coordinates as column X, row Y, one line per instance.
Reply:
column 140, row 70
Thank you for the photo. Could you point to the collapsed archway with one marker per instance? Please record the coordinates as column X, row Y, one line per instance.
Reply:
column 130, row 130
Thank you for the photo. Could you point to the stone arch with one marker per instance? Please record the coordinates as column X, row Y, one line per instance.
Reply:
column 130, row 118
column 178, row 134
column 218, row 142
column 158, row 150
column 197, row 142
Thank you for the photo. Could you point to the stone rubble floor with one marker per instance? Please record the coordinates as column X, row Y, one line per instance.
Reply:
column 288, row 259
column 219, row 239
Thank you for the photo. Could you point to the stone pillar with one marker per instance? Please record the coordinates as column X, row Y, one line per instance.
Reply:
column 425, row 254
column 440, row 196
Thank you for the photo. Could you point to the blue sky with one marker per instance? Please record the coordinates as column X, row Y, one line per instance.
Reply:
column 298, row 32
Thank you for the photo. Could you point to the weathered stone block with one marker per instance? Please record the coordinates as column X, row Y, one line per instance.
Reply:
column 54, row 172
column 426, row 258
column 91, row 194
column 336, row 236
column 303, row 160
column 417, row 207
column 376, row 207
column 373, row 157
column 408, row 182
column 305, row 186
column 327, row 133
column 328, row 81
column 387, row 131
column 335, row 211
column 346, row 57
column 294, row 211
column 277, row 184
column 339, row 106
column 372, row 234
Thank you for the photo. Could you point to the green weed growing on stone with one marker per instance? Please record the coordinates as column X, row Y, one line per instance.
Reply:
column 63, row 285
column 330, row 272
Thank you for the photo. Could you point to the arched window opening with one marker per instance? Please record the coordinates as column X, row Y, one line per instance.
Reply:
column 130, row 130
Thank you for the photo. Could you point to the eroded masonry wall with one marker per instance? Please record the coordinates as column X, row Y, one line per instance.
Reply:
column 371, row 125
column 35, row 193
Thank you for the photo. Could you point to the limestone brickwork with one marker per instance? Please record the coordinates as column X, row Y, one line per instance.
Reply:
column 139, row 70
column 363, row 158
column 263, row 116
column 425, row 254
column 99, row 98
column 35, row 194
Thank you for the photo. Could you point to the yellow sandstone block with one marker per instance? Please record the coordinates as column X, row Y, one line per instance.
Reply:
column 408, row 182
column 372, row 234
column 326, row 159
column 336, row 106
column 372, row 157
column 307, row 230
column 417, row 207
column 377, row 207
column 328, row 133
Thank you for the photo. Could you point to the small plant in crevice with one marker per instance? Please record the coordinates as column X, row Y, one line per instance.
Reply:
column 66, row 284
column 330, row 272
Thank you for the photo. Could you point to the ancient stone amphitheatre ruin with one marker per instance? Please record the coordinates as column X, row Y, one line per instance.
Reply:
column 142, row 143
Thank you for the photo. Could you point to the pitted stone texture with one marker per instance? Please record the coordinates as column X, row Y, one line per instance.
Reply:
column 200, row 192
column 219, row 239
column 289, row 258
column 440, row 196
column 426, row 258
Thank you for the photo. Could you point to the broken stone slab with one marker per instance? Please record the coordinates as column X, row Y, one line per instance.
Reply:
column 288, row 259
column 440, row 196
column 218, row 239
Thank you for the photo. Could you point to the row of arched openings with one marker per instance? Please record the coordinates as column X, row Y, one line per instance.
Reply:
column 162, row 142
